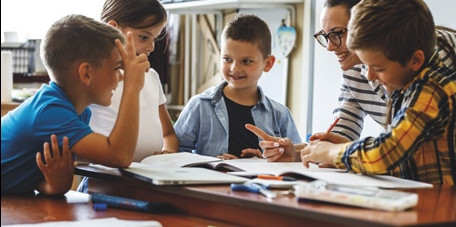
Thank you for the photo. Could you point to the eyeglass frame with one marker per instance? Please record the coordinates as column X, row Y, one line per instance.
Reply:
column 328, row 39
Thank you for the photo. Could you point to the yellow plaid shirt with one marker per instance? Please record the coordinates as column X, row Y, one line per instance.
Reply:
column 421, row 143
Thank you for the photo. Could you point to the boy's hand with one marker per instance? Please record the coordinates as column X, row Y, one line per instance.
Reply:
column 163, row 152
column 227, row 156
column 134, row 66
column 58, row 170
column 322, row 152
column 274, row 149
column 329, row 136
column 250, row 152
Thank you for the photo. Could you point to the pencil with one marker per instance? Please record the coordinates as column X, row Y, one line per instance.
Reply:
column 333, row 124
column 269, row 177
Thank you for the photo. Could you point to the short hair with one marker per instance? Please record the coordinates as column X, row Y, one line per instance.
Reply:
column 396, row 27
column 346, row 3
column 249, row 28
column 134, row 13
column 74, row 39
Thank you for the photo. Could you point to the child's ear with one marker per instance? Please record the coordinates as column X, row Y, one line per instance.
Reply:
column 417, row 60
column 85, row 73
column 113, row 23
column 269, row 63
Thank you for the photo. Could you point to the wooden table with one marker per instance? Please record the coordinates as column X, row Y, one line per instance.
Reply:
column 6, row 107
column 436, row 206
column 37, row 209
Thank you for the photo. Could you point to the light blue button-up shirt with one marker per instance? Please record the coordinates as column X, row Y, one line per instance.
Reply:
column 203, row 127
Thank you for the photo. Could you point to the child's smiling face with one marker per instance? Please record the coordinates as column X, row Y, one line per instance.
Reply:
column 105, row 79
column 242, row 64
column 391, row 74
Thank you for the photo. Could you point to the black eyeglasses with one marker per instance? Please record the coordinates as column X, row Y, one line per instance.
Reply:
column 334, row 36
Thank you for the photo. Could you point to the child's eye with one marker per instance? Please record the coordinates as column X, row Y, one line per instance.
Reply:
column 143, row 38
column 227, row 59
column 247, row 61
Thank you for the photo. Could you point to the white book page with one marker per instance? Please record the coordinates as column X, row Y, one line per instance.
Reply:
column 179, row 159
column 360, row 180
column 95, row 223
column 330, row 175
column 274, row 168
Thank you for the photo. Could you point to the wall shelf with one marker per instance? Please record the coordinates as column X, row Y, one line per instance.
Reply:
column 201, row 6
column 190, row 10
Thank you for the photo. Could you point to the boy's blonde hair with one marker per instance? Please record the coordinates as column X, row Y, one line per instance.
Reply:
column 74, row 39
column 249, row 28
column 396, row 27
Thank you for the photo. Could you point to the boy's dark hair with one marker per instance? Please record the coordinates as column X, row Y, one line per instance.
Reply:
column 249, row 28
column 396, row 27
column 137, row 14
column 347, row 3
column 74, row 39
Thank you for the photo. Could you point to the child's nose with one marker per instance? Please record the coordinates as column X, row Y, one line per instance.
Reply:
column 150, row 48
column 234, row 67
column 120, row 76
column 371, row 74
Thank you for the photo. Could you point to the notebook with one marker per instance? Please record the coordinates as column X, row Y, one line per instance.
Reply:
column 179, row 175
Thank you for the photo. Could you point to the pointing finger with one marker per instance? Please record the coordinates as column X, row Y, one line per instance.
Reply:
column 260, row 133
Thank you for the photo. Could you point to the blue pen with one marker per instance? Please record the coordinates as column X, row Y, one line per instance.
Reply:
column 255, row 188
column 130, row 204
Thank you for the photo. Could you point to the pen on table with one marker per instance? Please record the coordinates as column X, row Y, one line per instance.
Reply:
column 270, row 177
column 333, row 125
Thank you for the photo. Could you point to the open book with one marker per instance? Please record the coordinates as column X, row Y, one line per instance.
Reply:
column 185, row 159
column 255, row 166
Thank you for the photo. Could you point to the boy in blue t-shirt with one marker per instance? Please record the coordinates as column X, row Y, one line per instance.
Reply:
column 213, row 122
column 83, row 58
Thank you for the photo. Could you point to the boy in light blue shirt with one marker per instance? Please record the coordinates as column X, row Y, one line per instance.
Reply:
column 213, row 122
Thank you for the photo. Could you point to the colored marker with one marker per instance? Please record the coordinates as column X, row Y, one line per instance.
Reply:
column 270, row 177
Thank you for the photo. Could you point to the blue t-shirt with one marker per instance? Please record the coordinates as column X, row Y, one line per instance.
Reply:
column 26, row 128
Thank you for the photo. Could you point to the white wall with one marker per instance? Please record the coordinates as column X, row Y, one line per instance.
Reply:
column 32, row 18
column 327, row 73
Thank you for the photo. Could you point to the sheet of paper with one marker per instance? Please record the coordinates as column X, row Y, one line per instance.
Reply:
column 94, row 223
column 360, row 180
column 77, row 197
column 330, row 175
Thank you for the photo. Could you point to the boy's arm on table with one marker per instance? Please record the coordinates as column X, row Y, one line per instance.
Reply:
column 118, row 149
column 58, row 169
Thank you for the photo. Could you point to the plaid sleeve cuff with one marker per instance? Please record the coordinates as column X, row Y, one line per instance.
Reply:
column 338, row 161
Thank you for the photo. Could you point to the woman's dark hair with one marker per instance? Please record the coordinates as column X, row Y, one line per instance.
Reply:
column 347, row 3
column 442, row 43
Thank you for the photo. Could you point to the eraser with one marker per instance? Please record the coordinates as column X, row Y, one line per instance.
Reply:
column 100, row 206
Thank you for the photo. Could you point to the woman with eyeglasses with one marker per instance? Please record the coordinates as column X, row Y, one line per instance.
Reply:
column 360, row 97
